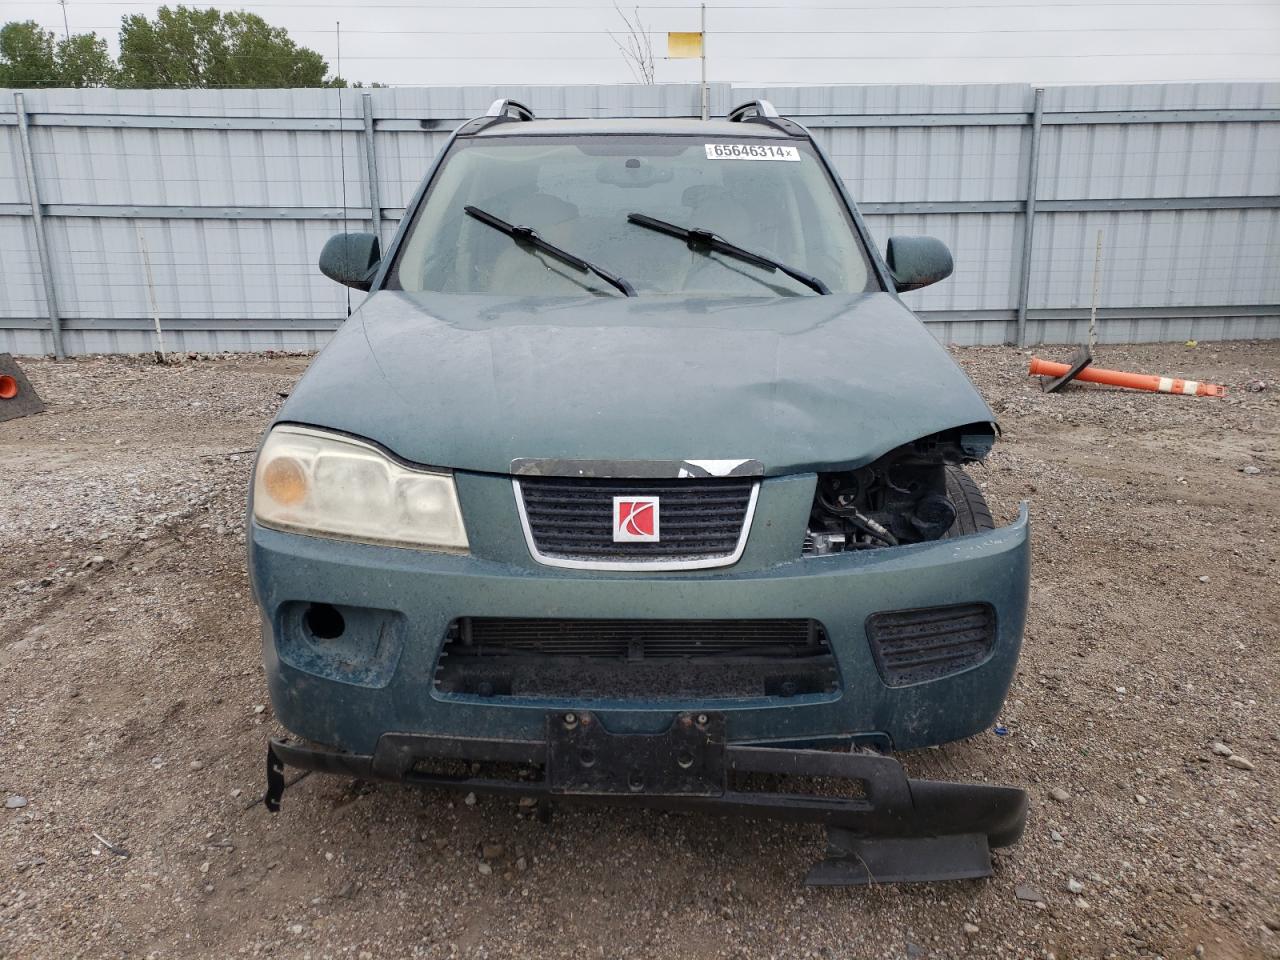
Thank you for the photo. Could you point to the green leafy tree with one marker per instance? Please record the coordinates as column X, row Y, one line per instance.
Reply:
column 30, row 58
column 27, row 56
column 189, row 47
column 181, row 47
column 83, row 61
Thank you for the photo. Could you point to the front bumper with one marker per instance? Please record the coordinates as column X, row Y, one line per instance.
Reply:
column 892, row 829
column 404, row 601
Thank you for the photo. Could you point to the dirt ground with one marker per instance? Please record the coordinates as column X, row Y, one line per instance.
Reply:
column 135, row 714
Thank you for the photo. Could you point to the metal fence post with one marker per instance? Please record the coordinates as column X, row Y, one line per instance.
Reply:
column 1029, row 228
column 37, row 221
column 371, row 158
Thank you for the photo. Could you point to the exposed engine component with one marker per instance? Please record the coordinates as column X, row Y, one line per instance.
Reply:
column 900, row 498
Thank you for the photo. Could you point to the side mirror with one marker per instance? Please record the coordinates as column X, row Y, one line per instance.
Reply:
column 351, row 258
column 916, row 262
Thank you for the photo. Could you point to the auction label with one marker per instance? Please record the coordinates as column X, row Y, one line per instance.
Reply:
column 751, row 151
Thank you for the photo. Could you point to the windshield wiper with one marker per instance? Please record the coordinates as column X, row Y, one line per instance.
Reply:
column 529, row 238
column 705, row 241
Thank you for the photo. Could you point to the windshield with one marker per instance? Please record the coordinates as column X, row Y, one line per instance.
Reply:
column 772, row 197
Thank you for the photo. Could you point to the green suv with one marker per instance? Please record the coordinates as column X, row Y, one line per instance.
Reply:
column 634, row 480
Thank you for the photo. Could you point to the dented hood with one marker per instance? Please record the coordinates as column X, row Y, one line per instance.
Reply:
column 474, row 382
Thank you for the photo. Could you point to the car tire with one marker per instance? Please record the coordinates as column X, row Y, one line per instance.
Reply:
column 972, row 513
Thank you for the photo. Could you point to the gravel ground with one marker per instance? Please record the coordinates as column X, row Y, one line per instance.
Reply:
column 135, row 714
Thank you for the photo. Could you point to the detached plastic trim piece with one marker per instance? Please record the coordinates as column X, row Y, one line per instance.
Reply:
column 1079, row 360
column 894, row 830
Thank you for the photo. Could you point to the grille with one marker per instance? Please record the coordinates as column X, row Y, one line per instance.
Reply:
column 703, row 521
column 497, row 656
column 912, row 646
column 637, row 639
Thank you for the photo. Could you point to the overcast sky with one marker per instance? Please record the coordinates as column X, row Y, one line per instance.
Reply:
column 763, row 41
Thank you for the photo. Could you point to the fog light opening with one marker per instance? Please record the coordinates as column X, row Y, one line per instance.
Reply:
column 324, row 622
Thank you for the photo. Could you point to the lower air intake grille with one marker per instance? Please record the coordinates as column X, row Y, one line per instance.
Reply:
column 912, row 646
column 501, row 656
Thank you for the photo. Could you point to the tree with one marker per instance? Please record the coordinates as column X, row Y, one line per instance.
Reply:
column 26, row 56
column 29, row 58
column 189, row 47
column 83, row 61
column 181, row 47
column 636, row 46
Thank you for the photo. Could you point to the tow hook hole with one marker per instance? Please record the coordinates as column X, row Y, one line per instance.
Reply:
column 685, row 759
column 635, row 781
column 324, row 622
column 586, row 757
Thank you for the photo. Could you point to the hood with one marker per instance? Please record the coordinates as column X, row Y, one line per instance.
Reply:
column 474, row 383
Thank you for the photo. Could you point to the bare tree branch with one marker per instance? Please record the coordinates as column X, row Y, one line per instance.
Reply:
column 636, row 46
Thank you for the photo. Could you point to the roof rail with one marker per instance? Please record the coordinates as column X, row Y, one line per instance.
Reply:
column 502, row 110
column 509, row 109
column 762, row 111
column 753, row 110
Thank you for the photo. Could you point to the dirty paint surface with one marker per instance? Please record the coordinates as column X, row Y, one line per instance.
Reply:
column 473, row 383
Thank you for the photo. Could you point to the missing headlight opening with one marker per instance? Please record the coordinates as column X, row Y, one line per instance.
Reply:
column 914, row 493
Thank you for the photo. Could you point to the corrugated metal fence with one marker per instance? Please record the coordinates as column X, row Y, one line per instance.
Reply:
column 232, row 193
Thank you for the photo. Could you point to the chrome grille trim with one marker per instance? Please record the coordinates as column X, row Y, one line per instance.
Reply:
column 664, row 563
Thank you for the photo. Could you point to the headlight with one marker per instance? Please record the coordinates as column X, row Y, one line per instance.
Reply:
column 327, row 485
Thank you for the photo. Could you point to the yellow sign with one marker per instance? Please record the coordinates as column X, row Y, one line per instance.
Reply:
column 683, row 46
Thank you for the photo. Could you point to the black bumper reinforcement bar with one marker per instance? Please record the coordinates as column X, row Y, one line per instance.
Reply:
column 886, row 829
